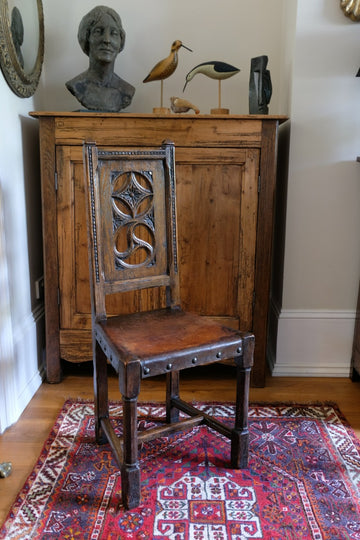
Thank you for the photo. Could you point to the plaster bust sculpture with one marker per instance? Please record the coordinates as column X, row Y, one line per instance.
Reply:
column 101, row 37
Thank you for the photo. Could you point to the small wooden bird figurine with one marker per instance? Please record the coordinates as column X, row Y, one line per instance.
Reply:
column 166, row 67
column 179, row 105
column 214, row 70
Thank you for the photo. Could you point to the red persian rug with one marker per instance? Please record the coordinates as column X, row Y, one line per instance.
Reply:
column 302, row 482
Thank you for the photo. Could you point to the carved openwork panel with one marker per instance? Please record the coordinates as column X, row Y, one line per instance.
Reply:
column 128, row 201
column 133, row 219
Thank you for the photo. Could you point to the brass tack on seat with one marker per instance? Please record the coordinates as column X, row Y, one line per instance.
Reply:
column 239, row 350
column 146, row 371
column 169, row 366
column 219, row 354
column 194, row 360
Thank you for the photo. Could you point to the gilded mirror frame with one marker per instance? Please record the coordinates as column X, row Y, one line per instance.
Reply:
column 351, row 9
column 23, row 84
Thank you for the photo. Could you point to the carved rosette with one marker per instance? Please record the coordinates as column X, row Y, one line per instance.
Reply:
column 133, row 219
column 351, row 8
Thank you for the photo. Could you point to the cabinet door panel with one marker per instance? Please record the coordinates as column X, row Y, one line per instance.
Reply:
column 217, row 216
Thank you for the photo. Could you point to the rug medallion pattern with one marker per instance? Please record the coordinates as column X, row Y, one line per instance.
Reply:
column 302, row 482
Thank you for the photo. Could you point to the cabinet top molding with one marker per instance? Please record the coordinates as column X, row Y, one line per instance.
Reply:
column 79, row 114
column 191, row 131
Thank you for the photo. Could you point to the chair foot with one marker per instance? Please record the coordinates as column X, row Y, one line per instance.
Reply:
column 239, row 450
column 100, row 436
column 130, row 486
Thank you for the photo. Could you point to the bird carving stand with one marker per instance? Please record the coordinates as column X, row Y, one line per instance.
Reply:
column 131, row 207
column 161, row 109
column 219, row 109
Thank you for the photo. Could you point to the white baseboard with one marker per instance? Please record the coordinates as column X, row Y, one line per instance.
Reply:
column 314, row 343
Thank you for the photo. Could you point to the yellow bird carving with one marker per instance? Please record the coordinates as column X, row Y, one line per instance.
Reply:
column 166, row 67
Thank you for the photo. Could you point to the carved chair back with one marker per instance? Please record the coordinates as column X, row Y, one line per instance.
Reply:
column 132, row 201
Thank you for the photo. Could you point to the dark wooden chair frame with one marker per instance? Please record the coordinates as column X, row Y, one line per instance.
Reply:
column 162, row 341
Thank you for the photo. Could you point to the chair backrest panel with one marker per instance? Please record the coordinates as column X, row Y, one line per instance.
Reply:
column 131, row 220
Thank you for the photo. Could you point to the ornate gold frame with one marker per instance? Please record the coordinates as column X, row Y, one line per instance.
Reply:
column 351, row 8
column 21, row 83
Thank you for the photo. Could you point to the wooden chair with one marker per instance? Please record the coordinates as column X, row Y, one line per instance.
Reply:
column 133, row 245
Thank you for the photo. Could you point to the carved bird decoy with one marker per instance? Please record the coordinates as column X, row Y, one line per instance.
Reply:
column 179, row 105
column 166, row 67
column 213, row 69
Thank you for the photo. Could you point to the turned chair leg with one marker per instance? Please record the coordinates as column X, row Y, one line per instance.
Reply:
column 172, row 391
column 130, row 470
column 240, row 434
column 100, row 392
column 129, row 386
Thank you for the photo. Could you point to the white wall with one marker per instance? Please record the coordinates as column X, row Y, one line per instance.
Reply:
column 230, row 31
column 322, row 248
column 20, row 352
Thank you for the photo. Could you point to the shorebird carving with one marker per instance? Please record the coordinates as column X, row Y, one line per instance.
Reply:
column 166, row 67
column 214, row 70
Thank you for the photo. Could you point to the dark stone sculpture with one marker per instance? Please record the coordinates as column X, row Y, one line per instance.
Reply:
column 260, row 87
column 101, row 37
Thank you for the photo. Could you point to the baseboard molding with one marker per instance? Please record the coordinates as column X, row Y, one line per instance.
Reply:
column 313, row 343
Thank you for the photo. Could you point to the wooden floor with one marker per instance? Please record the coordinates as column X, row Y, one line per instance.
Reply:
column 21, row 444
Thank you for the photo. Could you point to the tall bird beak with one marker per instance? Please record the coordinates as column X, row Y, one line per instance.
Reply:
column 185, row 85
column 185, row 47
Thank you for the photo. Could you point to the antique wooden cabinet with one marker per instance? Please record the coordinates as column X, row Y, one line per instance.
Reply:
column 226, row 178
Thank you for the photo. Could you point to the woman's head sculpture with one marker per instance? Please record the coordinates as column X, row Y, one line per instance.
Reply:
column 101, row 36
column 90, row 20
